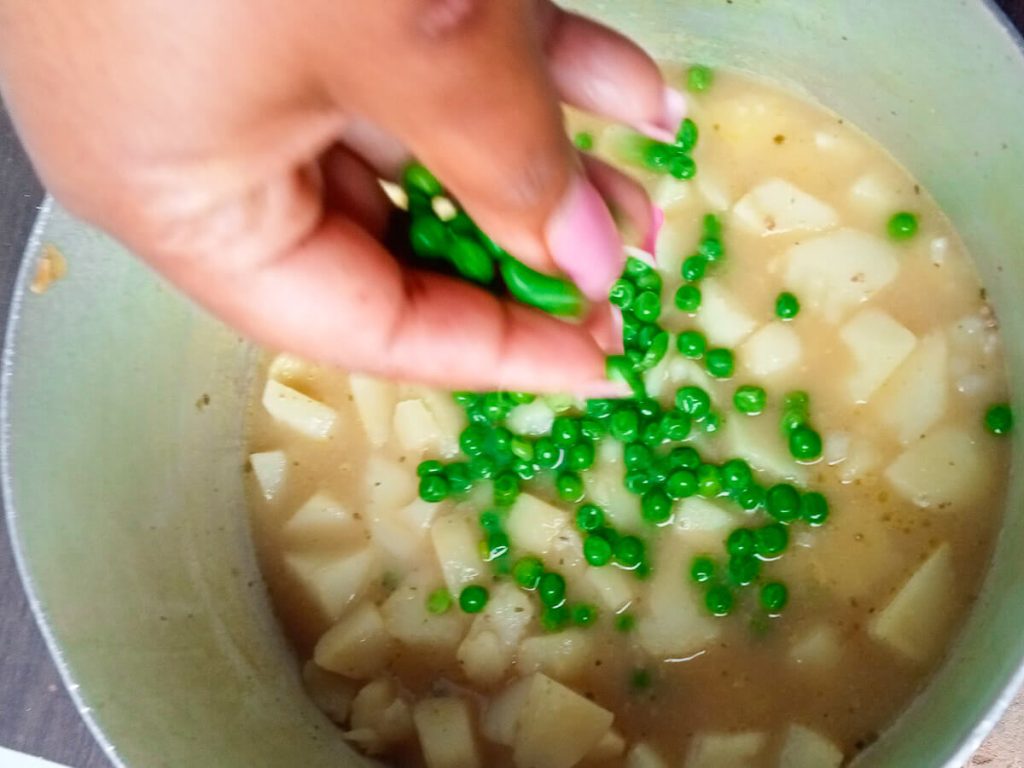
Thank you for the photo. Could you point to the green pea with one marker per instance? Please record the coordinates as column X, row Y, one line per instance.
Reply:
column 693, row 401
column 771, row 540
column 550, row 294
column 551, row 589
column 583, row 615
column 647, row 306
column 694, row 268
column 472, row 261
column 783, row 502
column 482, row 468
column 750, row 400
column 434, row 488
column 473, row 440
column 506, row 489
column 681, row 484
column 902, row 226
column 787, row 306
column 555, row 619
column 473, row 598
column 688, row 298
column 621, row 368
column 569, row 486
column 656, row 507
column 490, row 521
column 622, row 294
column 524, row 470
column 527, row 572
column 596, row 550
column 711, row 423
column 640, row 679
column 589, row 517
column 814, row 508
column 439, row 601
column 702, row 570
column 546, row 453
column 675, row 425
column 999, row 419
column 520, row 398
column 743, row 569
column 651, row 434
column 750, row 498
column 709, row 481
column 712, row 226
column 719, row 600
column 429, row 467
column 686, row 138
column 592, row 429
column 681, row 166
column 429, row 236
column 636, row 267
column 625, row 622
column 655, row 155
column 656, row 351
column 495, row 546
column 711, row 248
column 699, row 78
column 805, row 444
column 416, row 178
column 629, row 552
column 684, row 457
column 600, row 409
column 580, row 457
column 742, row 541
column 774, row 597
column 638, row 482
column 736, row 475
column 647, row 407
column 565, row 432
column 720, row 363
column 637, row 456
column 625, row 425
column 583, row 141
column 648, row 280
column 466, row 399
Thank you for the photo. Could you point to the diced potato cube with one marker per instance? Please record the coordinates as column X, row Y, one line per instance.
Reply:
column 873, row 193
column 445, row 729
column 416, row 427
column 501, row 716
column 611, row 746
column 704, row 522
column 407, row 620
column 614, row 588
column 419, row 514
column 393, row 535
column 946, row 468
column 450, row 420
column 915, row 620
column 835, row 272
column 332, row 694
column 777, row 206
column 725, row 750
column 488, row 650
column 457, row 546
column 299, row 412
column 917, row 395
column 605, row 488
column 722, row 316
column 531, row 418
column 332, row 581
column 358, row 646
column 817, row 648
column 534, row 525
column 562, row 655
column 804, row 748
column 270, row 469
column 380, row 708
column 669, row 192
column 715, row 188
column 643, row 755
column 321, row 518
column 390, row 486
column 878, row 345
column 771, row 350
column 290, row 369
column 757, row 440
column 557, row 726
column 673, row 622
column 375, row 403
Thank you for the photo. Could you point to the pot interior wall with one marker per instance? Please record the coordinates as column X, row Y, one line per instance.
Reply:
column 125, row 485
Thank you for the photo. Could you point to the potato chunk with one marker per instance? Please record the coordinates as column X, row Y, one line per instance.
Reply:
column 804, row 748
column 817, row 648
column 407, row 620
column 445, row 729
column 915, row 620
column 756, row 439
column 773, row 349
column 297, row 411
column 531, row 418
column 777, row 206
column 332, row 582
column 944, row 469
column 321, row 518
column 917, row 395
column 488, row 650
column 375, row 403
column 562, row 655
column 611, row 746
column 415, row 427
column 358, row 646
column 381, row 716
column 833, row 273
column 615, row 589
column 878, row 345
column 270, row 469
column 642, row 755
column 557, row 726
column 332, row 694
column 722, row 317
column 456, row 544
column 501, row 717
column 725, row 750
column 534, row 525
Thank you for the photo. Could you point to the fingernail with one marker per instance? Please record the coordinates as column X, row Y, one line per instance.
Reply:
column 673, row 110
column 584, row 242
column 657, row 220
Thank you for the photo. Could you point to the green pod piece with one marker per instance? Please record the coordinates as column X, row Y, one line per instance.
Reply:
column 550, row 294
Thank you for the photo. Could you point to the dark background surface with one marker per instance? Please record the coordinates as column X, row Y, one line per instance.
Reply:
column 36, row 714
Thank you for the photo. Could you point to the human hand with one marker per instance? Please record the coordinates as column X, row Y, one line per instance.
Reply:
column 236, row 147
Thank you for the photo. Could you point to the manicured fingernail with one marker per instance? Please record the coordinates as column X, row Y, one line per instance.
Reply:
column 584, row 241
column 604, row 323
column 673, row 110
column 657, row 220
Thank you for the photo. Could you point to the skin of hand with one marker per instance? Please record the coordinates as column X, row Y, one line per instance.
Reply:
column 236, row 146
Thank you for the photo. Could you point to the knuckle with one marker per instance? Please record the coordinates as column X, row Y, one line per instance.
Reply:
column 440, row 19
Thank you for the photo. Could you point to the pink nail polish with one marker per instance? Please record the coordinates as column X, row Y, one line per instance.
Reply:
column 673, row 110
column 651, row 241
column 584, row 242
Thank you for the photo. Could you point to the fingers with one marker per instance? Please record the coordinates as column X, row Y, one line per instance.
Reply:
column 600, row 71
column 350, row 185
column 340, row 298
column 629, row 204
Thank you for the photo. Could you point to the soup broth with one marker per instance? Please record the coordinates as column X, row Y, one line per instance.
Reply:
column 899, row 355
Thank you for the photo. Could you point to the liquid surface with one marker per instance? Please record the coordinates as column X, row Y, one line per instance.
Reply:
column 900, row 355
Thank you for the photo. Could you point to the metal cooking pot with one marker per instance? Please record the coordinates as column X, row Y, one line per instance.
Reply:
column 125, row 488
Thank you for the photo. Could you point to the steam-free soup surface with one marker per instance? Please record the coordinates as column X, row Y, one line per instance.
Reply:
column 900, row 356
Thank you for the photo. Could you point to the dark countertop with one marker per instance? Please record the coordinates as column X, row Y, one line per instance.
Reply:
column 36, row 713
